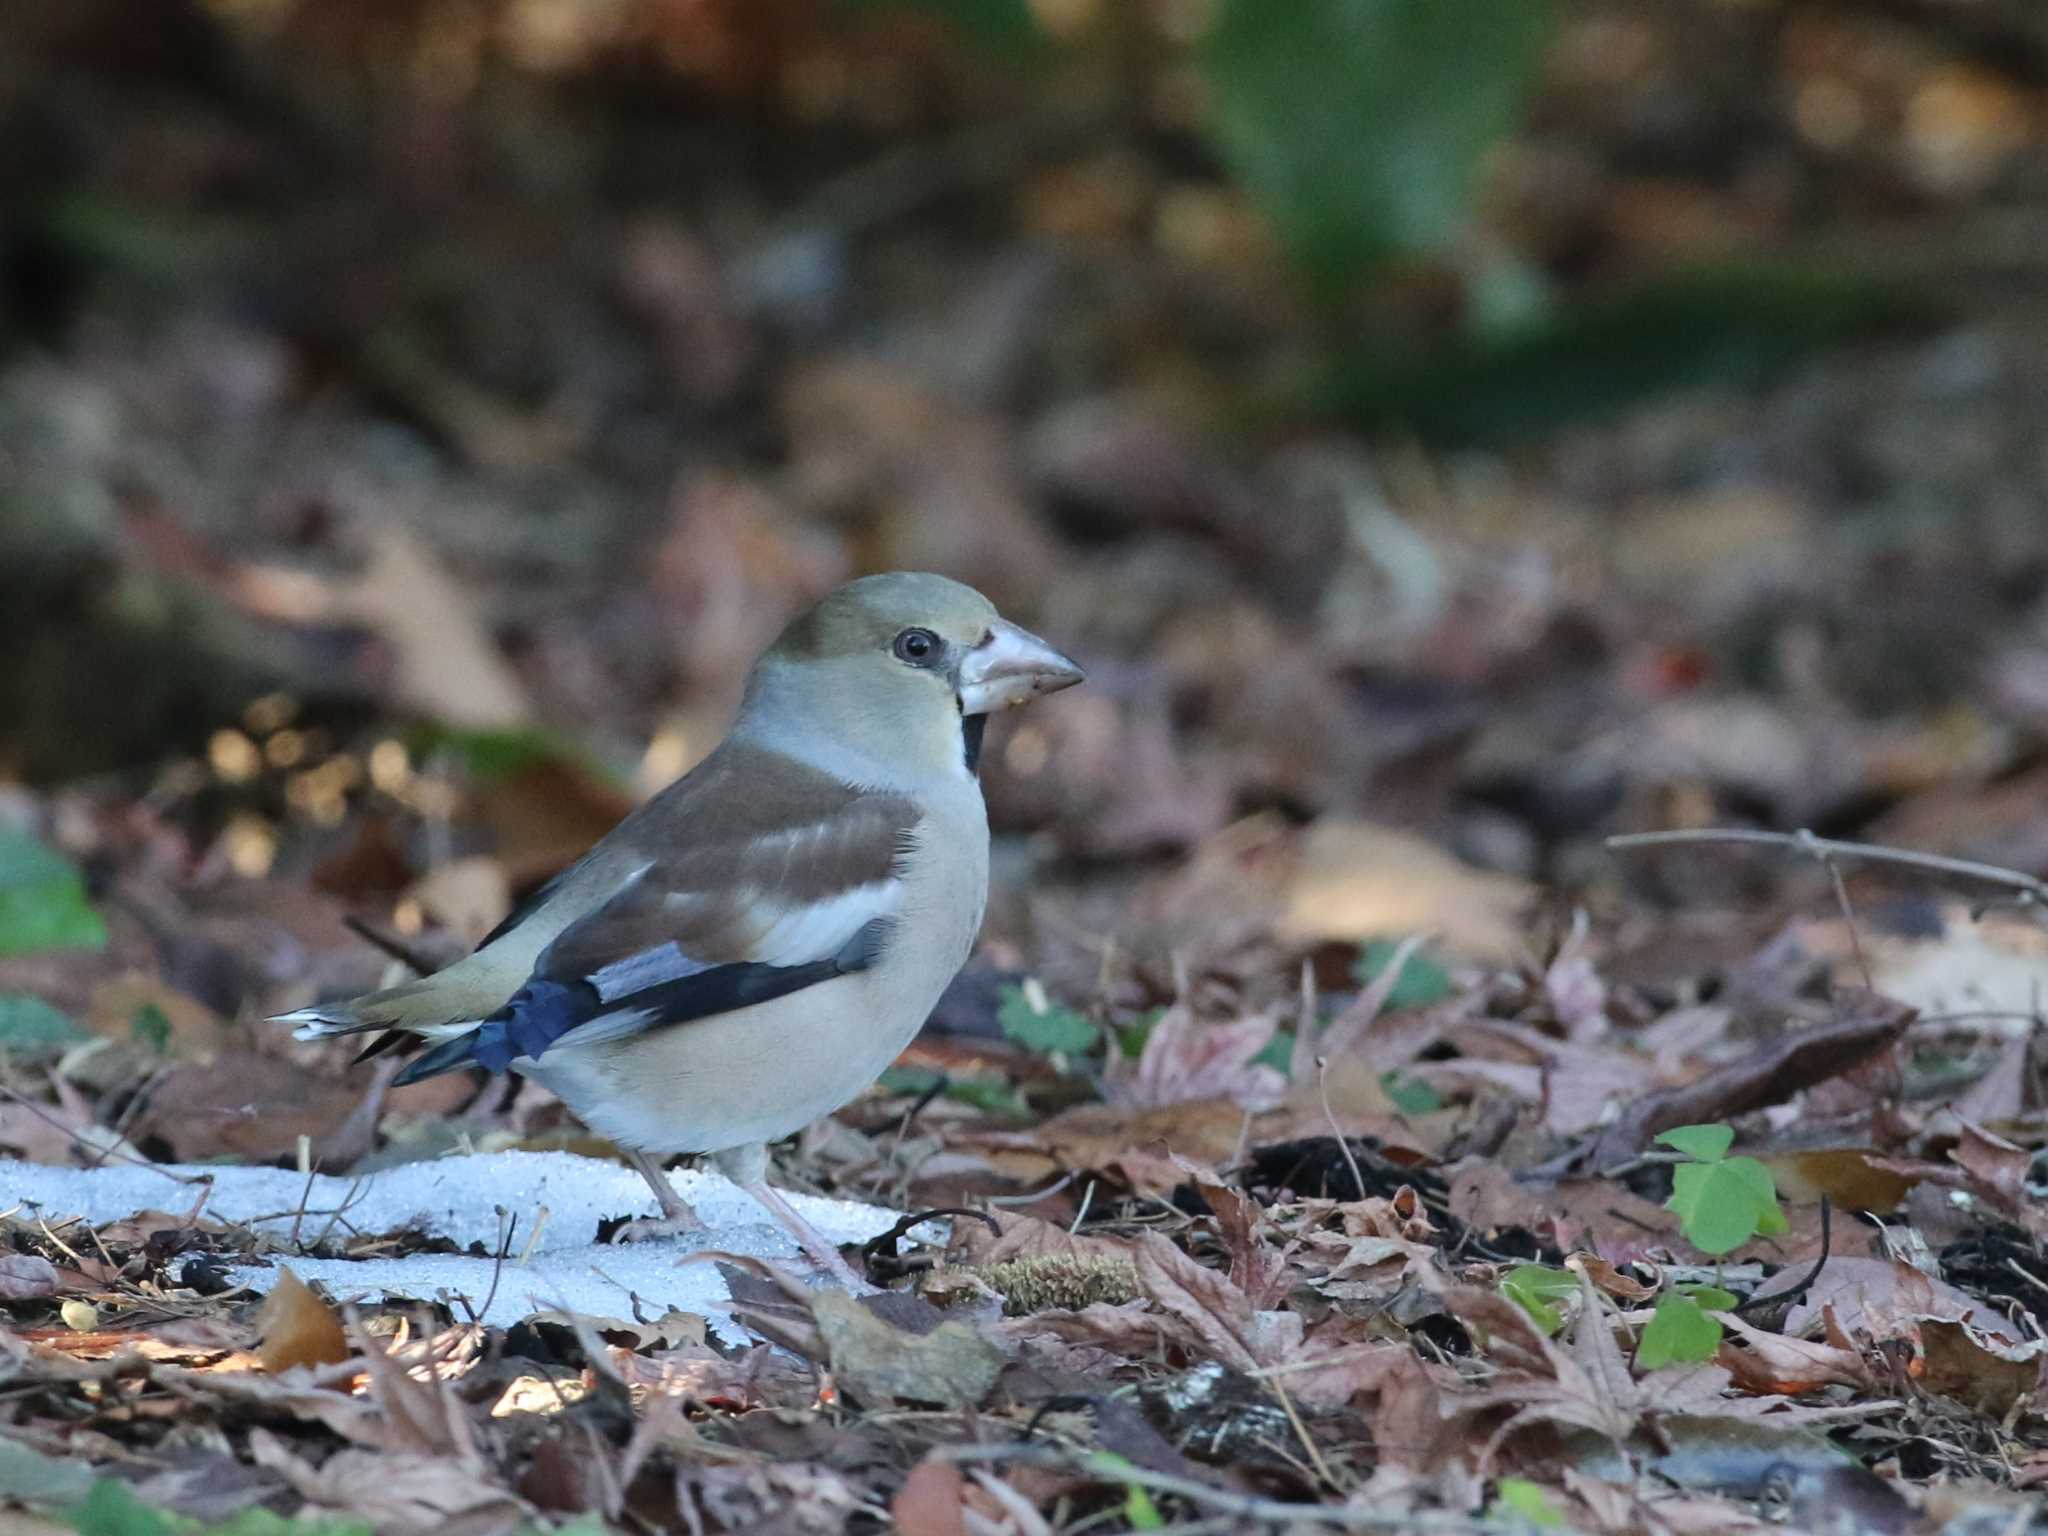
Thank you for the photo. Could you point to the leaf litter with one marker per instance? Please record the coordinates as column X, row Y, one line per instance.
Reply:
column 1315, row 1085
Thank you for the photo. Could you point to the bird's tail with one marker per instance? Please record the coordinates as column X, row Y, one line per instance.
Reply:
column 436, row 1007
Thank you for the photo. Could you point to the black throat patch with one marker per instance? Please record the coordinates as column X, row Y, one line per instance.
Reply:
column 971, row 729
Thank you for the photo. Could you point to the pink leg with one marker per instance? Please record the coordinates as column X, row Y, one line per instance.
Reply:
column 813, row 1242
column 676, row 1215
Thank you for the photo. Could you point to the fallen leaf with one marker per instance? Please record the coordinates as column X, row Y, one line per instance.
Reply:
column 1770, row 1363
column 1212, row 1310
column 1979, row 1368
column 930, row 1501
column 298, row 1328
column 1773, row 1072
column 24, row 1277
column 445, row 662
column 1356, row 880
column 1186, row 1059
column 953, row 1365
column 409, row 1493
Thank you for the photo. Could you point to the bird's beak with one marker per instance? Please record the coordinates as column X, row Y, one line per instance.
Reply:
column 1012, row 666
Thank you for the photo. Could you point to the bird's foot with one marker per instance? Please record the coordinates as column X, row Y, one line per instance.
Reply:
column 650, row 1228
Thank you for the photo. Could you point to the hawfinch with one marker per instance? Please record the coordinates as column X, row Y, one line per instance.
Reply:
column 751, row 948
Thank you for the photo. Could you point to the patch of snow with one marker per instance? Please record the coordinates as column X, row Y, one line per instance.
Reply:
column 458, row 1198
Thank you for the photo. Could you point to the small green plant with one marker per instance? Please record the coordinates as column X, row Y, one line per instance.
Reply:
column 1421, row 982
column 42, row 900
column 1035, row 1022
column 151, row 1026
column 1538, row 1289
column 1684, row 1330
column 1721, row 1201
column 1528, row 1503
column 32, row 1030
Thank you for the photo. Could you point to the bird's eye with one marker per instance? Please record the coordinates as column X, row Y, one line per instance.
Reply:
column 919, row 647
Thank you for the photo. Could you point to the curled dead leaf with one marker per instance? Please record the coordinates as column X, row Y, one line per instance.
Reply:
column 298, row 1328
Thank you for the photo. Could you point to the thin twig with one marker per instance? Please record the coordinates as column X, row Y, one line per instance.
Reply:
column 391, row 944
column 508, row 1223
column 1803, row 842
column 1834, row 870
column 79, row 1140
column 1344, row 1146
column 1792, row 1294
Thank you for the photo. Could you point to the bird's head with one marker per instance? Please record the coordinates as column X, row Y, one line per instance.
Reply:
column 900, row 670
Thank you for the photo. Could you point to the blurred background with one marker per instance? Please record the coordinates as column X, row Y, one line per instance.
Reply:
column 1449, row 431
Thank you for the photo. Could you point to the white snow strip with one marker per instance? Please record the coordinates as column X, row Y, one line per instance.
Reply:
column 455, row 1198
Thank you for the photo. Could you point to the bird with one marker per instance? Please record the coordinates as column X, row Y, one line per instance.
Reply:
column 752, row 947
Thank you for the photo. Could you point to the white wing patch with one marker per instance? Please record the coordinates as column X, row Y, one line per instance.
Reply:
column 820, row 929
column 784, row 936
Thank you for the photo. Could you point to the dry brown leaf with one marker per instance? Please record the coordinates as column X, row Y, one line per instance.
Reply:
column 953, row 1365
column 1187, row 1060
column 445, row 662
column 1356, row 880
column 1770, row 1363
column 251, row 1107
column 1880, row 1297
column 408, row 1493
column 469, row 896
column 1998, row 1170
column 1091, row 1137
column 1203, row 1301
column 24, row 1277
column 1979, row 1368
column 1774, row 1071
column 930, row 1502
column 297, row 1327
column 1258, row 1268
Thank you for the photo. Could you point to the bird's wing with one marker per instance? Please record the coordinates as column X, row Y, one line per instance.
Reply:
column 753, row 878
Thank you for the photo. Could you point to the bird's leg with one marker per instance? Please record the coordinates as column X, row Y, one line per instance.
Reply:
column 822, row 1250
column 676, row 1215
column 747, row 1166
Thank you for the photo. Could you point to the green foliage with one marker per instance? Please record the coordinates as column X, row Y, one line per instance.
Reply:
column 1358, row 125
column 1537, row 1289
column 42, row 900
column 1422, row 980
column 112, row 1509
column 1681, row 1332
column 151, row 1026
column 1734, row 324
column 1707, row 1143
column 1001, row 26
column 1528, row 1503
column 993, row 1095
column 1139, row 1510
column 1411, row 1095
column 1721, row 1201
column 1047, row 1029
column 30, row 1029
column 491, row 755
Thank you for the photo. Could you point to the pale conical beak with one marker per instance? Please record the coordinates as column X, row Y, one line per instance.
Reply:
column 1012, row 666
